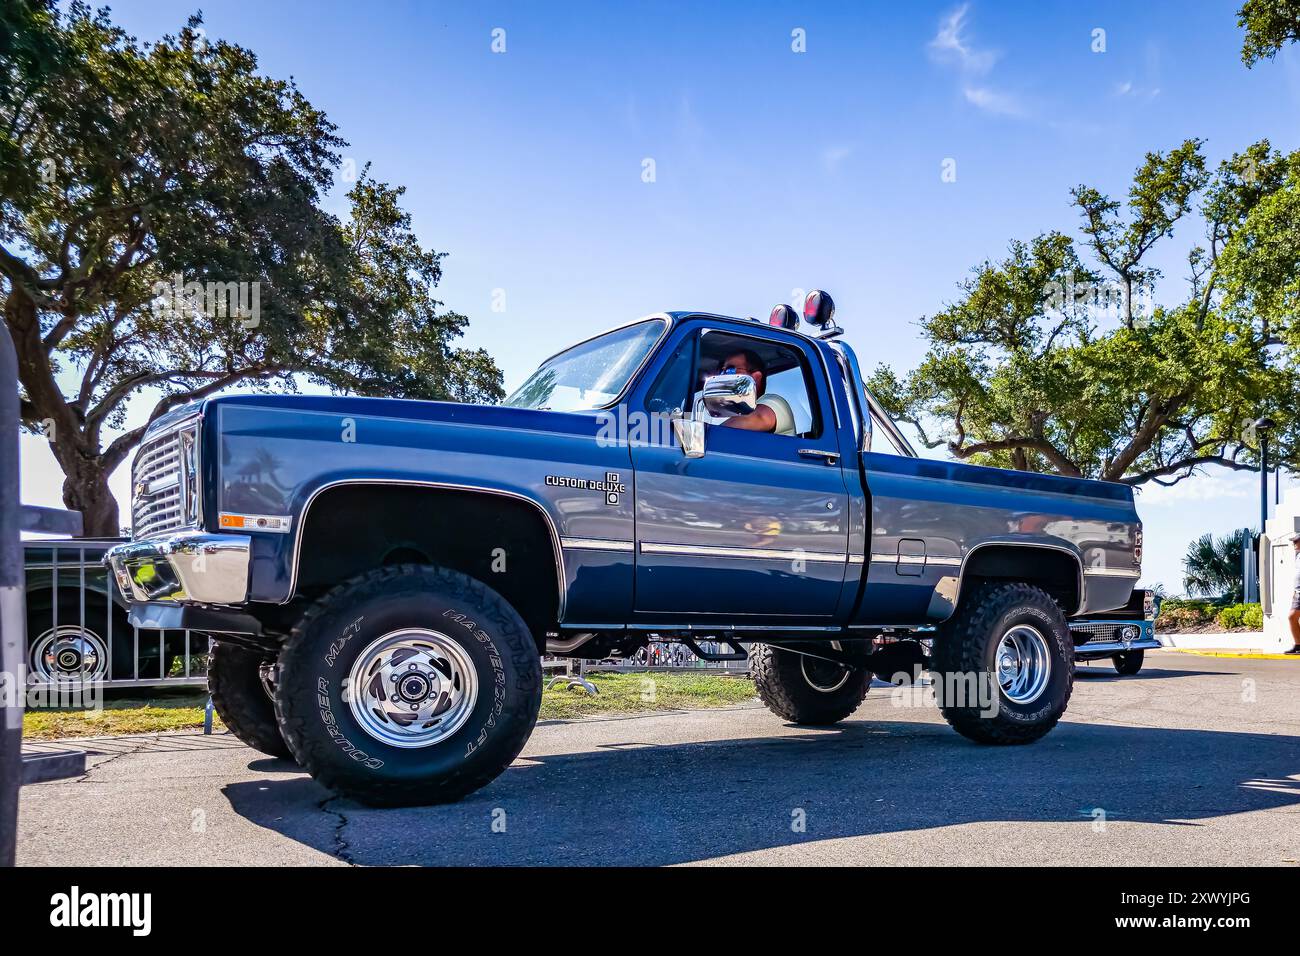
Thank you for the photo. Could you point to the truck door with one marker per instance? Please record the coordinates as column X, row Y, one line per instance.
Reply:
column 756, row 530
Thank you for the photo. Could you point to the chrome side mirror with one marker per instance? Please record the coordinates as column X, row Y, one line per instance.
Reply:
column 690, row 432
column 729, row 395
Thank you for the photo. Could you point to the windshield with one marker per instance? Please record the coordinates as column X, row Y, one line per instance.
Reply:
column 589, row 375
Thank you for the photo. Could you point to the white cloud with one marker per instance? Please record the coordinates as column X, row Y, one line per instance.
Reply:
column 1131, row 89
column 952, row 46
column 993, row 101
column 1210, row 486
column 833, row 156
column 1145, row 83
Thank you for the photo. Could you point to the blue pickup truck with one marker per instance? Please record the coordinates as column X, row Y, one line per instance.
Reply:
column 382, row 576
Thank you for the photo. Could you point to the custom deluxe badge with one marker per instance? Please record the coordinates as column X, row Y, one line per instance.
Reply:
column 612, row 487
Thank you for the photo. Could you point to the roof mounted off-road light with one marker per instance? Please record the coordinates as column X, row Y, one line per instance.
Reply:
column 819, row 310
column 783, row 317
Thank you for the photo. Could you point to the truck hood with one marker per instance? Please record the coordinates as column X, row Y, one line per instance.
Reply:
column 396, row 408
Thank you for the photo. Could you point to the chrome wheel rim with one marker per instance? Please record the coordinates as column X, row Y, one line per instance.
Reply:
column 412, row 688
column 69, row 654
column 825, row 676
column 1023, row 663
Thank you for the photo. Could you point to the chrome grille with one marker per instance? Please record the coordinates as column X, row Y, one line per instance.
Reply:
column 1093, row 633
column 163, row 496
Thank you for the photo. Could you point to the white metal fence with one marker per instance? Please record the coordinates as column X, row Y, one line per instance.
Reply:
column 78, row 633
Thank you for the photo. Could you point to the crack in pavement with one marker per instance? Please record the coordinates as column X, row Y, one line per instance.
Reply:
column 341, row 849
column 85, row 777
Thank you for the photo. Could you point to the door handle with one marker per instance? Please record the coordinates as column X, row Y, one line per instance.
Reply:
column 830, row 457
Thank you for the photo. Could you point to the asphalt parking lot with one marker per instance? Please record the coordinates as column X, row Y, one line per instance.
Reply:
column 1194, row 761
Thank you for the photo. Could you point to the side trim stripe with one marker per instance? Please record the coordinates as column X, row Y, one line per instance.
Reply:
column 770, row 554
column 935, row 559
column 1110, row 573
column 595, row 544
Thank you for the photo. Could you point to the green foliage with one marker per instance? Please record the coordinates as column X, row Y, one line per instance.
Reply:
column 1234, row 616
column 124, row 164
column 1177, row 614
column 1230, row 616
column 1180, row 613
column 1213, row 566
column 1269, row 24
column 631, row 693
column 1199, row 605
column 1258, row 261
column 1022, row 372
column 620, row 693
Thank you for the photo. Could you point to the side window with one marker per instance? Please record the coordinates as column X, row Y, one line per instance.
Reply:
column 792, row 384
column 670, row 390
column 880, row 440
column 783, row 373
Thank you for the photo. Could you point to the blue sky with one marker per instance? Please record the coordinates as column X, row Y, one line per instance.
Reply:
column 773, row 170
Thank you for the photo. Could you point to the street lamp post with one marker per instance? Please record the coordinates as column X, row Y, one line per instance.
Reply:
column 1258, row 429
column 1261, row 427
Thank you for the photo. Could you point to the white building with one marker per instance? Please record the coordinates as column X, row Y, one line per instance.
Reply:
column 1277, row 570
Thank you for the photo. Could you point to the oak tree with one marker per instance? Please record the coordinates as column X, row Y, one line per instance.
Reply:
column 163, row 233
column 1058, row 358
column 1269, row 25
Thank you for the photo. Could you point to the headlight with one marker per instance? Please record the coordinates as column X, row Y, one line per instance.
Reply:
column 1130, row 632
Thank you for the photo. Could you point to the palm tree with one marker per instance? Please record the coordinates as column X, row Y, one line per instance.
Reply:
column 1213, row 566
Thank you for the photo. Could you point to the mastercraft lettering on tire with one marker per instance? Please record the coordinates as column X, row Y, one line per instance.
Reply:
column 370, row 626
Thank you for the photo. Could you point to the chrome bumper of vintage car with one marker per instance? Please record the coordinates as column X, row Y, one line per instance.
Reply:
column 183, row 566
column 1103, row 638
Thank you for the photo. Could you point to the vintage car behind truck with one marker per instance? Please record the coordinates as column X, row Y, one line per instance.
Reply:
column 383, row 576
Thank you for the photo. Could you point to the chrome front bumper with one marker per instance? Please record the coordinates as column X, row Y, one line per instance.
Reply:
column 1105, row 650
column 1145, row 639
column 183, row 566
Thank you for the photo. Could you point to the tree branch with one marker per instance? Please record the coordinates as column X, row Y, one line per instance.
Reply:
column 1190, row 464
column 1150, row 424
column 121, row 446
column 1041, row 445
column 27, row 279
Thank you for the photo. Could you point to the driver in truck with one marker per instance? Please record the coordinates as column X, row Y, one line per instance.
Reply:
column 773, row 413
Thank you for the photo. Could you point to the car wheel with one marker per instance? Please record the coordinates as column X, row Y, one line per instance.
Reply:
column 408, row 685
column 71, row 652
column 242, row 696
column 1128, row 663
column 1004, row 668
column 806, row 690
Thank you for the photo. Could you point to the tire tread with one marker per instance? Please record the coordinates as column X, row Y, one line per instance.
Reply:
column 961, row 650
column 791, row 699
column 234, row 701
column 449, row 584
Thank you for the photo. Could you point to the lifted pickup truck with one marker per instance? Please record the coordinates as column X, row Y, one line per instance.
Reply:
column 383, row 575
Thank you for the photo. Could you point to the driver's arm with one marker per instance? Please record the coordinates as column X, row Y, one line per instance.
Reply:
column 761, row 419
